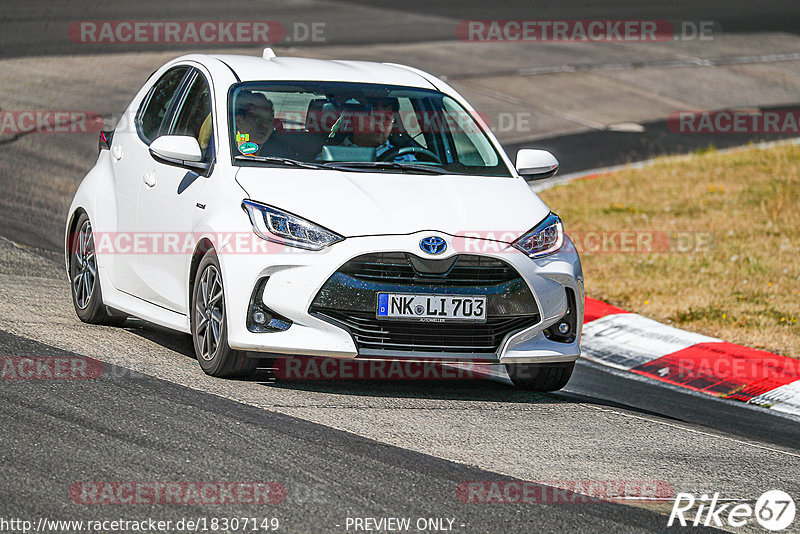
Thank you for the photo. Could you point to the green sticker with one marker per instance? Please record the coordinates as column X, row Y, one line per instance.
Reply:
column 248, row 148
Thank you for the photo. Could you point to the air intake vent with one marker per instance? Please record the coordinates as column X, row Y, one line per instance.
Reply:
column 349, row 299
column 371, row 334
column 406, row 269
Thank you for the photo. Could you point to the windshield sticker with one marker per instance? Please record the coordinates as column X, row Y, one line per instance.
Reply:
column 242, row 138
column 248, row 148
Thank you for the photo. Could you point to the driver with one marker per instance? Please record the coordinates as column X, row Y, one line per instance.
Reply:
column 374, row 129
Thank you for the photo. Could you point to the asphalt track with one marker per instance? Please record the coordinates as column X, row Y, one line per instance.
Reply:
column 163, row 431
column 346, row 448
column 606, row 148
column 35, row 27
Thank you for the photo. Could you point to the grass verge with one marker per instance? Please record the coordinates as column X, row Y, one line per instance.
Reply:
column 708, row 243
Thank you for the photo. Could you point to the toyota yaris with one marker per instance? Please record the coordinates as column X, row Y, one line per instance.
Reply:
column 287, row 206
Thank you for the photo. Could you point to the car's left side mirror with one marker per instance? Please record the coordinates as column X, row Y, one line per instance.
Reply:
column 180, row 151
column 536, row 164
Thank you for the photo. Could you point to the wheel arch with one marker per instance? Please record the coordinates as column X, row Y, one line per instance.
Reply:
column 72, row 226
column 200, row 250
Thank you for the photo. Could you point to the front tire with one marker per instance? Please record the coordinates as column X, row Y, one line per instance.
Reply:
column 209, row 324
column 540, row 376
column 87, row 296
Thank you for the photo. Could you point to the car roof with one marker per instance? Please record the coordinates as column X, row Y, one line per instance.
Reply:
column 253, row 68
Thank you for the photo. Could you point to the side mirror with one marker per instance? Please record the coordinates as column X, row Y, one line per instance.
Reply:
column 180, row 151
column 105, row 140
column 536, row 164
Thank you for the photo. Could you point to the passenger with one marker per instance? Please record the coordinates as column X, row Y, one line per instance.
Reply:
column 255, row 131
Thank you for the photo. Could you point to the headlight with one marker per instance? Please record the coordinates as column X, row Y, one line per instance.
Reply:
column 545, row 238
column 282, row 227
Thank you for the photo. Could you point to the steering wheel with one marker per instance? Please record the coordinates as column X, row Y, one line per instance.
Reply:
column 420, row 152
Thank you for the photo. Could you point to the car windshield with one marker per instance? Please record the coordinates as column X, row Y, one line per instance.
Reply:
column 357, row 127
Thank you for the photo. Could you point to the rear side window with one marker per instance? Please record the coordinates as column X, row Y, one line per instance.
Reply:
column 194, row 113
column 158, row 102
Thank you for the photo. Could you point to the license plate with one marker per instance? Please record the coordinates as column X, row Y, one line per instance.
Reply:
column 431, row 308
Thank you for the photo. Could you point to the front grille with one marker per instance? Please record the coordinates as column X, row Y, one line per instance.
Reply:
column 371, row 334
column 402, row 268
column 349, row 299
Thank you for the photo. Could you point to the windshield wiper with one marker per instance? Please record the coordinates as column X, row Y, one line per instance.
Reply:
column 351, row 166
column 365, row 166
column 280, row 161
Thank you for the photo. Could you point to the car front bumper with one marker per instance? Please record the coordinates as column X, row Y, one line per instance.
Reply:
column 295, row 278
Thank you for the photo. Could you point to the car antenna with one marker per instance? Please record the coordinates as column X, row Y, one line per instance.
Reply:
column 268, row 53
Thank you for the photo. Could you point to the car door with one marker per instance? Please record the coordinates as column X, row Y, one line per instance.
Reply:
column 129, row 162
column 168, row 201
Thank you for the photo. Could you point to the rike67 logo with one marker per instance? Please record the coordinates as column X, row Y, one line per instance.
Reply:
column 774, row 510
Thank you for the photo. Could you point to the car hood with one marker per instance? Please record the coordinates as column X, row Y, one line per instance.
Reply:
column 362, row 204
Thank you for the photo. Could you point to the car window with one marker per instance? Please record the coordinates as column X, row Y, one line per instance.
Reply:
column 472, row 148
column 331, row 122
column 409, row 120
column 158, row 102
column 193, row 117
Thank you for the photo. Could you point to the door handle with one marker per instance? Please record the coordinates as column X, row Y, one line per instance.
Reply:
column 116, row 151
column 149, row 178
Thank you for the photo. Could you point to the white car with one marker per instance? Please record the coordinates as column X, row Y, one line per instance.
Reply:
column 289, row 206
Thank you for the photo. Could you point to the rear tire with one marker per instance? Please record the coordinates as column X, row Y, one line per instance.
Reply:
column 540, row 376
column 209, row 325
column 87, row 296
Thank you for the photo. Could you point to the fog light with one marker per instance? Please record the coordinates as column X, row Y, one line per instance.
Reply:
column 563, row 328
column 259, row 317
